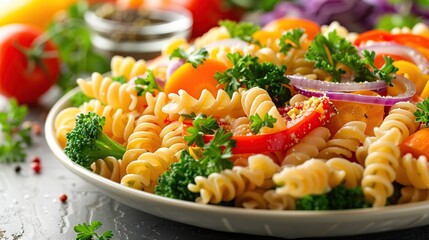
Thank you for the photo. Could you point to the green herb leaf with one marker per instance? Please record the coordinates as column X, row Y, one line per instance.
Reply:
column 249, row 72
column 334, row 53
column 242, row 30
column 14, row 136
column 422, row 112
column 87, row 232
column 148, row 84
column 195, row 58
column 386, row 73
column 201, row 125
column 73, row 38
column 290, row 40
column 257, row 122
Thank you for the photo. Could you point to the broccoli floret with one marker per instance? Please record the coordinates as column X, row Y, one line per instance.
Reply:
column 215, row 158
column 87, row 142
column 339, row 197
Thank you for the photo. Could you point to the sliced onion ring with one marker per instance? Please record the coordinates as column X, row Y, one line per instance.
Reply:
column 307, row 83
column 397, row 49
column 409, row 92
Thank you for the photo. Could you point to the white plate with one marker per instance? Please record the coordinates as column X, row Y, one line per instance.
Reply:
column 290, row 224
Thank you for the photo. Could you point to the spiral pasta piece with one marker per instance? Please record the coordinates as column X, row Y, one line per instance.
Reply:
column 277, row 201
column 311, row 177
column 213, row 35
column 220, row 106
column 112, row 93
column 110, row 168
column 146, row 134
column 155, row 103
column 118, row 125
column 307, row 148
column 64, row 122
column 380, row 167
column 172, row 137
column 127, row 67
column 230, row 183
column 353, row 171
column 401, row 116
column 251, row 199
column 413, row 171
column 345, row 141
column 143, row 173
column 240, row 126
column 257, row 101
column 410, row 194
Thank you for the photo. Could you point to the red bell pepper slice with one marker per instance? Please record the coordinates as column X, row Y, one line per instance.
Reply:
column 311, row 117
column 407, row 39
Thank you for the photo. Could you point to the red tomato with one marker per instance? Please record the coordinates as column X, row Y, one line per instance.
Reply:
column 25, row 74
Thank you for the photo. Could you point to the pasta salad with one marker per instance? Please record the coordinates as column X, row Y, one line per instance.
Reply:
column 290, row 116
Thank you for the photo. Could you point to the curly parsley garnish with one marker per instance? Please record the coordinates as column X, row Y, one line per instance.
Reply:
column 147, row 84
column 386, row 72
column 257, row 122
column 195, row 58
column 335, row 54
column 242, row 30
column 201, row 125
column 422, row 112
column 249, row 72
column 290, row 39
column 13, row 135
column 87, row 232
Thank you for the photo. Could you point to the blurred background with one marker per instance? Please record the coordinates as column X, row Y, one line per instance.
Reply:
column 88, row 33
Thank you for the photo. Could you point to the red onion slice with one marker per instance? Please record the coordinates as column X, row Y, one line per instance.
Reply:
column 310, row 84
column 398, row 49
column 409, row 87
column 173, row 65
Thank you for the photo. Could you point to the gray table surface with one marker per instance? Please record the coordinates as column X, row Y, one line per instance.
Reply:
column 30, row 206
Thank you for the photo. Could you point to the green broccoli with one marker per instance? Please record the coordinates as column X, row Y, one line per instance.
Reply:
column 338, row 198
column 215, row 158
column 87, row 142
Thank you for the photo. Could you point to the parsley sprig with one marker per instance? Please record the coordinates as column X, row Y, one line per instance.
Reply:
column 256, row 122
column 290, row 39
column 15, row 135
column 242, row 30
column 87, row 232
column 386, row 72
column 249, row 72
column 334, row 54
column 195, row 58
column 201, row 125
column 422, row 112
column 146, row 84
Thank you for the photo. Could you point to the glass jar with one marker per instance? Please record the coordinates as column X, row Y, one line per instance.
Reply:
column 140, row 33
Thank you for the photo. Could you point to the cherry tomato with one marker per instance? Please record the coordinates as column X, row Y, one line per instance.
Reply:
column 26, row 71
